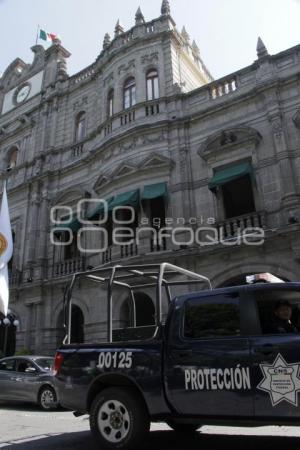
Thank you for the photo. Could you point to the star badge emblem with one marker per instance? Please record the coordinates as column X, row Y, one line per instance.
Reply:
column 281, row 381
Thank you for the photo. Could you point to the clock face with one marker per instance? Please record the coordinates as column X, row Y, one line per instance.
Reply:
column 22, row 93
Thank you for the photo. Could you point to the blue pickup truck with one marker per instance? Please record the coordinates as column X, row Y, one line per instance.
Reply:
column 212, row 356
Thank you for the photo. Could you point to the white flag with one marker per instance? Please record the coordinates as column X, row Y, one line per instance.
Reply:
column 6, row 250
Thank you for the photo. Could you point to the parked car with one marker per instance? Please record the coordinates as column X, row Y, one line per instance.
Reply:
column 28, row 379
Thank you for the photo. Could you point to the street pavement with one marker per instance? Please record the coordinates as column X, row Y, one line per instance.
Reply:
column 24, row 427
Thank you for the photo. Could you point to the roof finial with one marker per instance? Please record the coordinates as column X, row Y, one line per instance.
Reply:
column 118, row 28
column 106, row 41
column 185, row 35
column 195, row 48
column 165, row 8
column 261, row 49
column 139, row 18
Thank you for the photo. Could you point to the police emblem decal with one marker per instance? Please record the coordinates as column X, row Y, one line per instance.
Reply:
column 281, row 381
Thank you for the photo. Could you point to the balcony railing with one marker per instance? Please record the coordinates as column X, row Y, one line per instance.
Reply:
column 68, row 267
column 127, row 117
column 117, row 252
column 77, row 150
column 230, row 227
column 152, row 109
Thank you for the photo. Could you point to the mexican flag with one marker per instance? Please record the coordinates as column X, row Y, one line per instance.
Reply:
column 45, row 36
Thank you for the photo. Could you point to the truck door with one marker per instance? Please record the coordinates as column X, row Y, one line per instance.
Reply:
column 207, row 368
column 275, row 350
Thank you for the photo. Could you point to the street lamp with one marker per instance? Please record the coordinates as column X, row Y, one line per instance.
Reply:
column 7, row 322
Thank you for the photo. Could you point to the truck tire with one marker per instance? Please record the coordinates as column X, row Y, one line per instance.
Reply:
column 183, row 427
column 119, row 419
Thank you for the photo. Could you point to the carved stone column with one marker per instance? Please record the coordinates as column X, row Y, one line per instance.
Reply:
column 188, row 203
column 42, row 244
column 33, row 225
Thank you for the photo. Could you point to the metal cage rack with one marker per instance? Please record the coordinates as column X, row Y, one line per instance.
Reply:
column 131, row 277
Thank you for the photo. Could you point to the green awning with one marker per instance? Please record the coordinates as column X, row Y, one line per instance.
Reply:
column 231, row 173
column 73, row 224
column 130, row 198
column 154, row 191
column 95, row 213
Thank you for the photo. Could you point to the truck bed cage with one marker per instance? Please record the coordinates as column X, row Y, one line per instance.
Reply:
column 131, row 277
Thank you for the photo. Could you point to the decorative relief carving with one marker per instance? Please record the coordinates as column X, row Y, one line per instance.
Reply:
column 150, row 58
column 153, row 139
column 228, row 139
column 108, row 79
column 183, row 159
column 276, row 124
column 17, row 125
column 126, row 68
column 80, row 103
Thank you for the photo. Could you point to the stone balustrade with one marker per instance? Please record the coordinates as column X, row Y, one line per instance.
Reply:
column 68, row 267
column 229, row 227
column 223, row 87
column 82, row 76
column 77, row 150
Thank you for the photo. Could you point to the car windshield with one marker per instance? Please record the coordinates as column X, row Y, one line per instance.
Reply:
column 45, row 363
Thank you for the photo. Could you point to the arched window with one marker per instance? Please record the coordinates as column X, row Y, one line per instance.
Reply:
column 129, row 93
column 152, row 84
column 80, row 126
column 110, row 103
column 12, row 158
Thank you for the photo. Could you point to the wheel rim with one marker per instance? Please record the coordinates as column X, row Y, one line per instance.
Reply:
column 47, row 399
column 113, row 421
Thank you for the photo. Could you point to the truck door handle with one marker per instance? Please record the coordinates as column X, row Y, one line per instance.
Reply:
column 182, row 353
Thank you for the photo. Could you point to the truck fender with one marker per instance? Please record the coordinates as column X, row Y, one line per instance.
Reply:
column 110, row 380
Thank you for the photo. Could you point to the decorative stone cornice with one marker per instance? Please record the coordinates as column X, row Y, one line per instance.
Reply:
column 15, row 126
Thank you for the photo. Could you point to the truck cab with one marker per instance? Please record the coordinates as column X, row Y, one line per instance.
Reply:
column 225, row 359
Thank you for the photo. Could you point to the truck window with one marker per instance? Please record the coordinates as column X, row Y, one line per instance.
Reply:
column 215, row 316
column 278, row 310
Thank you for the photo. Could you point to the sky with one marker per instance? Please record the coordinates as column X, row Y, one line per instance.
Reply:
column 226, row 31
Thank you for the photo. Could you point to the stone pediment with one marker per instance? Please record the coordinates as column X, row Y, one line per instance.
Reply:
column 69, row 196
column 152, row 162
column 123, row 170
column 102, row 181
column 156, row 161
column 229, row 139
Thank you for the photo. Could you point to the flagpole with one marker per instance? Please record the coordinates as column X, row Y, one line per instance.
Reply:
column 37, row 34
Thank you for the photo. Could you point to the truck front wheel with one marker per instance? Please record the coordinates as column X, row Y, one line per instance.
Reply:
column 183, row 427
column 118, row 419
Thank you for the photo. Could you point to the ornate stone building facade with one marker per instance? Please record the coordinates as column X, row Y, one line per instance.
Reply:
column 146, row 126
